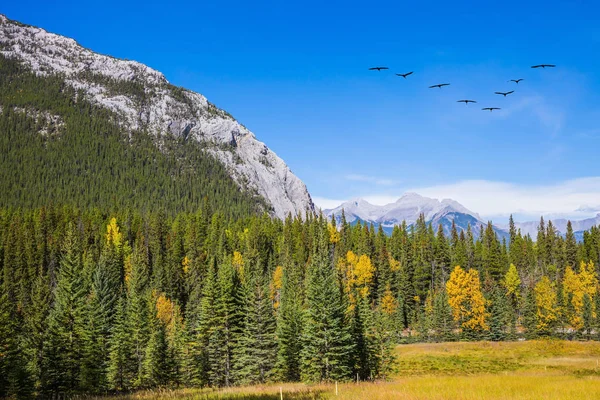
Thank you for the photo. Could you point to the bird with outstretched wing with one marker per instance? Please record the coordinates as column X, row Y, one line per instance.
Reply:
column 516, row 80
column 543, row 66
column 490, row 108
column 377, row 68
column 505, row 93
column 439, row 85
column 466, row 101
column 406, row 74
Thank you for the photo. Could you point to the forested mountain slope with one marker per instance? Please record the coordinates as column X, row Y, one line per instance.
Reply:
column 79, row 101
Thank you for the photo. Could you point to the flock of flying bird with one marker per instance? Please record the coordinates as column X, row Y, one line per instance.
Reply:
column 466, row 101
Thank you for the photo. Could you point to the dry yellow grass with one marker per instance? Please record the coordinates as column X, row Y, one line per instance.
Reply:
column 556, row 370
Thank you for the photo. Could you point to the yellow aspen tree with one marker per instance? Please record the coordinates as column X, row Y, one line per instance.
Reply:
column 457, row 293
column 185, row 265
column 334, row 234
column 476, row 322
column 512, row 282
column 388, row 304
column 546, row 307
column 164, row 309
column 238, row 263
column 276, row 284
column 466, row 299
column 363, row 272
column 113, row 234
column 575, row 287
column 394, row 265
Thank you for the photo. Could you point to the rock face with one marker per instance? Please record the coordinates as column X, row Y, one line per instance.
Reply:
column 144, row 99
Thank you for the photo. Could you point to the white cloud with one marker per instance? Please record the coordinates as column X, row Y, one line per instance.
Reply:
column 371, row 179
column 491, row 199
column 576, row 198
column 324, row 203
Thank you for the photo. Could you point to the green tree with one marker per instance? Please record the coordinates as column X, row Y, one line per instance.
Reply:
column 326, row 340
column 289, row 326
column 66, row 324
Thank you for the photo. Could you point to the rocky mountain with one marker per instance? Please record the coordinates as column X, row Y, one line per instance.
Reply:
column 408, row 208
column 144, row 100
column 579, row 226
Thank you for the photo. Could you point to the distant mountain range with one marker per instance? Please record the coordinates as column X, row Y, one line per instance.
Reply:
column 411, row 205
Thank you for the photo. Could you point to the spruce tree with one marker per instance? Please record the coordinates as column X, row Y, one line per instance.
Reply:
column 256, row 348
column 443, row 322
column 570, row 247
column 156, row 366
column 66, row 323
column 498, row 320
column 587, row 316
column 121, row 369
column 289, row 326
column 326, row 338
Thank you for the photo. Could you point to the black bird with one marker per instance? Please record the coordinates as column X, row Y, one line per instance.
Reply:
column 466, row 101
column 406, row 74
column 377, row 68
column 516, row 80
column 544, row 66
column 439, row 85
column 490, row 108
column 505, row 93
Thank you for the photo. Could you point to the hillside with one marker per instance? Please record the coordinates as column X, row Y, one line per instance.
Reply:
column 89, row 129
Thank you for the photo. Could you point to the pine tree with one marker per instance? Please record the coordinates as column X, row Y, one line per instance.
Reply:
column 36, row 325
column 225, row 326
column 588, row 316
column 66, row 323
column 327, row 342
column 530, row 315
column 289, row 326
column 14, row 380
column 121, row 370
column 156, row 366
column 499, row 315
column 101, row 311
column 443, row 323
column 570, row 247
column 138, row 312
column 256, row 349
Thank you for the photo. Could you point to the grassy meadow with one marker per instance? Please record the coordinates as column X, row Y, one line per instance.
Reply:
column 551, row 369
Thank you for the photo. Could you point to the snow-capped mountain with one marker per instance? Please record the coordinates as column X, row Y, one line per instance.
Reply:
column 164, row 109
column 408, row 208
column 560, row 224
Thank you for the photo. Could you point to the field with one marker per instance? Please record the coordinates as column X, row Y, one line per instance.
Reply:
column 480, row 370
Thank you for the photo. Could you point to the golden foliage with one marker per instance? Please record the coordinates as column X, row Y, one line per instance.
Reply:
column 357, row 276
column 334, row 234
column 185, row 265
column 113, row 234
column 394, row 265
column 276, row 285
column 127, row 269
column 164, row 309
column 512, row 281
column 545, row 301
column 575, row 287
column 388, row 305
column 238, row 263
column 466, row 299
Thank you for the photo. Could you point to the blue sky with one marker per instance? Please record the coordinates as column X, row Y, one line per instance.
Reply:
column 296, row 74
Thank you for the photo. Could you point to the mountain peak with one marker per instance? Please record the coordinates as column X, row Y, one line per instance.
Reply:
column 144, row 100
column 408, row 208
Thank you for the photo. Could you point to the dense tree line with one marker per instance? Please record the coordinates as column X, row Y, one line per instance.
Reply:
column 103, row 302
column 57, row 148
